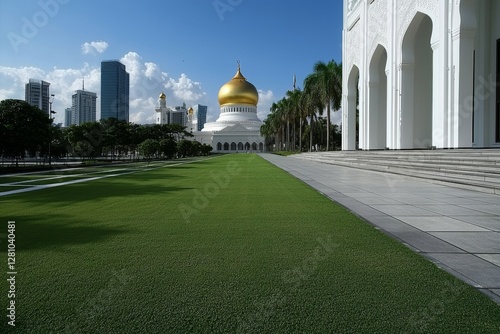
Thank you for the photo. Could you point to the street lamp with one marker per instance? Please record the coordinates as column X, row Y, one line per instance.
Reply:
column 51, row 99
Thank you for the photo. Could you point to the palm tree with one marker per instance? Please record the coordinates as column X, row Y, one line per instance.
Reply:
column 328, row 79
column 313, row 101
column 293, row 97
column 279, row 120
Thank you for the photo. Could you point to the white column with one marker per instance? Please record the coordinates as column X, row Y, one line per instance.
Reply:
column 440, row 74
column 407, row 105
column 392, row 75
column 463, row 47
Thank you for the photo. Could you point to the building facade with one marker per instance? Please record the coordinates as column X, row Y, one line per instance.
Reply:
column 115, row 89
column 179, row 115
column 83, row 107
column 421, row 74
column 36, row 93
column 166, row 115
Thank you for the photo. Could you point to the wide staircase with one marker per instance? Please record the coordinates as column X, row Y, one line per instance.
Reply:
column 475, row 169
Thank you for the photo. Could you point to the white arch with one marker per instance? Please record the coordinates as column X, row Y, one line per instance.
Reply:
column 416, row 84
column 349, row 135
column 377, row 100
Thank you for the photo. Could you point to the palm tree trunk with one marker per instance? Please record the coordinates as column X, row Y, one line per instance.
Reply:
column 311, row 135
column 328, row 127
column 294, row 140
column 287, row 146
column 300, row 134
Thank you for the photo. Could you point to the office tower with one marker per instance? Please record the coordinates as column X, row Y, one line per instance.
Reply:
column 37, row 94
column 179, row 115
column 201, row 116
column 114, row 90
column 83, row 107
column 67, row 117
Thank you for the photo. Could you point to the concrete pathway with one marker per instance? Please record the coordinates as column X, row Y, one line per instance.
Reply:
column 457, row 229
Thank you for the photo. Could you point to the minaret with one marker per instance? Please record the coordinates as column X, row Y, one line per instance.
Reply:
column 163, row 114
column 163, row 100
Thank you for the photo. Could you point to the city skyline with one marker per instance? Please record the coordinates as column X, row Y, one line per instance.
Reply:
column 189, row 61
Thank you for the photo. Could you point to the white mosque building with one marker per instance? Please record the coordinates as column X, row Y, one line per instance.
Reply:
column 421, row 74
column 238, row 128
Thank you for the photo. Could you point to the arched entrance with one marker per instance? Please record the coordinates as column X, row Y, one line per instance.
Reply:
column 350, row 136
column 377, row 110
column 417, row 84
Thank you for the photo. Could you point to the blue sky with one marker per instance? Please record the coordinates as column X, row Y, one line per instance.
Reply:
column 186, row 48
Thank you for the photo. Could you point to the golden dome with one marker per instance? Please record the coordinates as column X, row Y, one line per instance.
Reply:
column 190, row 110
column 163, row 96
column 238, row 91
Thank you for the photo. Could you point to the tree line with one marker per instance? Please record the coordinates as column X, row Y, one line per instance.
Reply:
column 27, row 131
column 296, row 122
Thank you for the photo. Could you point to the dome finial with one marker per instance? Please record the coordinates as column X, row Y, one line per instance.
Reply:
column 238, row 64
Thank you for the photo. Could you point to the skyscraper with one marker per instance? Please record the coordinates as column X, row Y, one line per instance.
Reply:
column 83, row 108
column 114, row 90
column 201, row 116
column 68, row 117
column 179, row 115
column 37, row 94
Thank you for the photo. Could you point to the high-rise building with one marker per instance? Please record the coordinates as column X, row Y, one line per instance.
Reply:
column 179, row 115
column 37, row 94
column 201, row 115
column 114, row 90
column 83, row 108
column 67, row 117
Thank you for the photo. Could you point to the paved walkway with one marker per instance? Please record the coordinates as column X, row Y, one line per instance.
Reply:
column 457, row 229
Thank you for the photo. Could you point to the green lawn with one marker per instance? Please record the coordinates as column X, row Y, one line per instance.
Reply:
column 230, row 244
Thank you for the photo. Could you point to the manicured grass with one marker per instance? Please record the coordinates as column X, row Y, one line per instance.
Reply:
column 229, row 244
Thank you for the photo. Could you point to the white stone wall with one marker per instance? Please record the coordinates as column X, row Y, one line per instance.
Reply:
column 430, row 94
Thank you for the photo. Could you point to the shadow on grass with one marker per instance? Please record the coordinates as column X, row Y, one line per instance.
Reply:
column 95, row 191
column 57, row 231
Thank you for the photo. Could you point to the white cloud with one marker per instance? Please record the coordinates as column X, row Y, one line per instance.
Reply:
column 146, row 83
column 94, row 47
column 266, row 99
column 20, row 76
column 185, row 89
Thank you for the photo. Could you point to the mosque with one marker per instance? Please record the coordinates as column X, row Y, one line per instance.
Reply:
column 238, row 128
column 421, row 74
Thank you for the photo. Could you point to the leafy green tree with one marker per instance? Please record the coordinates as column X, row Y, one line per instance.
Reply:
column 149, row 149
column 86, row 140
column 25, row 128
column 59, row 144
column 168, row 147
column 206, row 149
column 184, row 148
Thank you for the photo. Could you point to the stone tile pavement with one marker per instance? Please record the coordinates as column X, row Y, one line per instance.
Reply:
column 457, row 229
